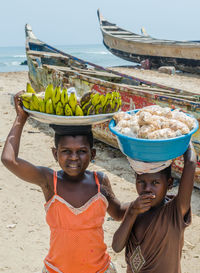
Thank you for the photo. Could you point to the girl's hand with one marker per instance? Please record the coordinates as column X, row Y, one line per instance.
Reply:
column 18, row 106
column 141, row 204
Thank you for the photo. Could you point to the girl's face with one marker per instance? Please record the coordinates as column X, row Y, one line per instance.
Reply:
column 74, row 154
column 155, row 184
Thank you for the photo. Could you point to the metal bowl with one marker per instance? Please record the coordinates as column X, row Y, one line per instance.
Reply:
column 69, row 120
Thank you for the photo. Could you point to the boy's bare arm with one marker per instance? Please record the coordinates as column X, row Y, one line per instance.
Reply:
column 121, row 236
column 187, row 179
column 9, row 157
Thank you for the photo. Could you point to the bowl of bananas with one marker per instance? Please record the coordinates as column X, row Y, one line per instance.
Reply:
column 58, row 106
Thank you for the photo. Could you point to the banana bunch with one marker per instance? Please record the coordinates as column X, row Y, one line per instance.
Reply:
column 93, row 103
column 58, row 102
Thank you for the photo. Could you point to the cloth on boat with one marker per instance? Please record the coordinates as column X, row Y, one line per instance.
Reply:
column 141, row 167
column 158, row 250
column 77, row 236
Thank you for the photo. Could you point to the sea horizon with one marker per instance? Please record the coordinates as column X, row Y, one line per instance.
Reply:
column 11, row 57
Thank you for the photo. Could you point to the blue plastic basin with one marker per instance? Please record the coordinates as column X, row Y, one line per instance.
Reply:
column 152, row 150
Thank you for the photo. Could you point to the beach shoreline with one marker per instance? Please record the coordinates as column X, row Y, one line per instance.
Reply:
column 24, row 232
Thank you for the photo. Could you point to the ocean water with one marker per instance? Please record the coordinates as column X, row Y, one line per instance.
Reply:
column 12, row 57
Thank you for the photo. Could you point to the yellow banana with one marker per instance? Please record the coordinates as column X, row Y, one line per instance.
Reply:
column 86, row 106
column 78, row 111
column 64, row 96
column 49, row 106
column 102, row 100
column 108, row 107
column 31, row 107
column 68, row 110
column 99, row 109
column 42, row 106
column 26, row 96
column 48, row 92
column 35, row 101
column 95, row 99
column 56, row 95
column 29, row 88
column 26, row 104
column 73, row 101
column 91, row 110
column 86, row 97
column 59, row 109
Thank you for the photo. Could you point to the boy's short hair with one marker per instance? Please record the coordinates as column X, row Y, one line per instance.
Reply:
column 167, row 172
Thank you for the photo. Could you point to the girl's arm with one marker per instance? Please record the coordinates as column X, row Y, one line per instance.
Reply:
column 9, row 157
column 121, row 236
column 187, row 179
column 115, row 208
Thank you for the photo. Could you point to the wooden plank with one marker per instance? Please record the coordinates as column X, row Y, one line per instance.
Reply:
column 82, row 71
column 120, row 32
column 46, row 54
column 110, row 27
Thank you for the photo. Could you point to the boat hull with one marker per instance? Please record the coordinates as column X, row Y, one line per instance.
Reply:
column 136, row 48
column 191, row 66
column 133, row 96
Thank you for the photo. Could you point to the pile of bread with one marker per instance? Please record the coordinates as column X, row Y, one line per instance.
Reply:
column 154, row 122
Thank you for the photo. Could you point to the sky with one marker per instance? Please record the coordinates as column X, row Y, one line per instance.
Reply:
column 70, row 22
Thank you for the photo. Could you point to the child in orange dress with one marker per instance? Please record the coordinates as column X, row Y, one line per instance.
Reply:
column 76, row 198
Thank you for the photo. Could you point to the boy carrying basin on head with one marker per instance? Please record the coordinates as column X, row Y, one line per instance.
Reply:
column 152, row 231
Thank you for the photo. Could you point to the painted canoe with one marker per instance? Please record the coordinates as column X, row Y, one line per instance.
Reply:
column 49, row 65
column 183, row 55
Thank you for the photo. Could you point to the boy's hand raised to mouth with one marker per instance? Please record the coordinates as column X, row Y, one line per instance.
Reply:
column 141, row 204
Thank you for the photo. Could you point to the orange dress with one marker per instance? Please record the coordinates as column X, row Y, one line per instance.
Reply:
column 77, row 238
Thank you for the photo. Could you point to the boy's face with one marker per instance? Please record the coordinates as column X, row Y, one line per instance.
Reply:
column 74, row 154
column 155, row 184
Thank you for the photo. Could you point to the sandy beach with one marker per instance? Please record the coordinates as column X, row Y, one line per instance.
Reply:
column 24, row 233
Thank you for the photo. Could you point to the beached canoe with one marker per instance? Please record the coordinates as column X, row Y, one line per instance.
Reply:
column 49, row 65
column 183, row 55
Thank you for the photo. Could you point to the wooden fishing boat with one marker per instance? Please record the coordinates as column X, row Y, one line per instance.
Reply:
column 49, row 65
column 183, row 55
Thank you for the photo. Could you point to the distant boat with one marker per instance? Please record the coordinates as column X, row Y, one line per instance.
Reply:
column 50, row 65
column 183, row 55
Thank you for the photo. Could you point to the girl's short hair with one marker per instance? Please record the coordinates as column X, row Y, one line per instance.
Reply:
column 72, row 130
column 89, row 137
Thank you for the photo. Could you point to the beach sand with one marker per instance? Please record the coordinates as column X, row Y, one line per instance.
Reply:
column 23, row 231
